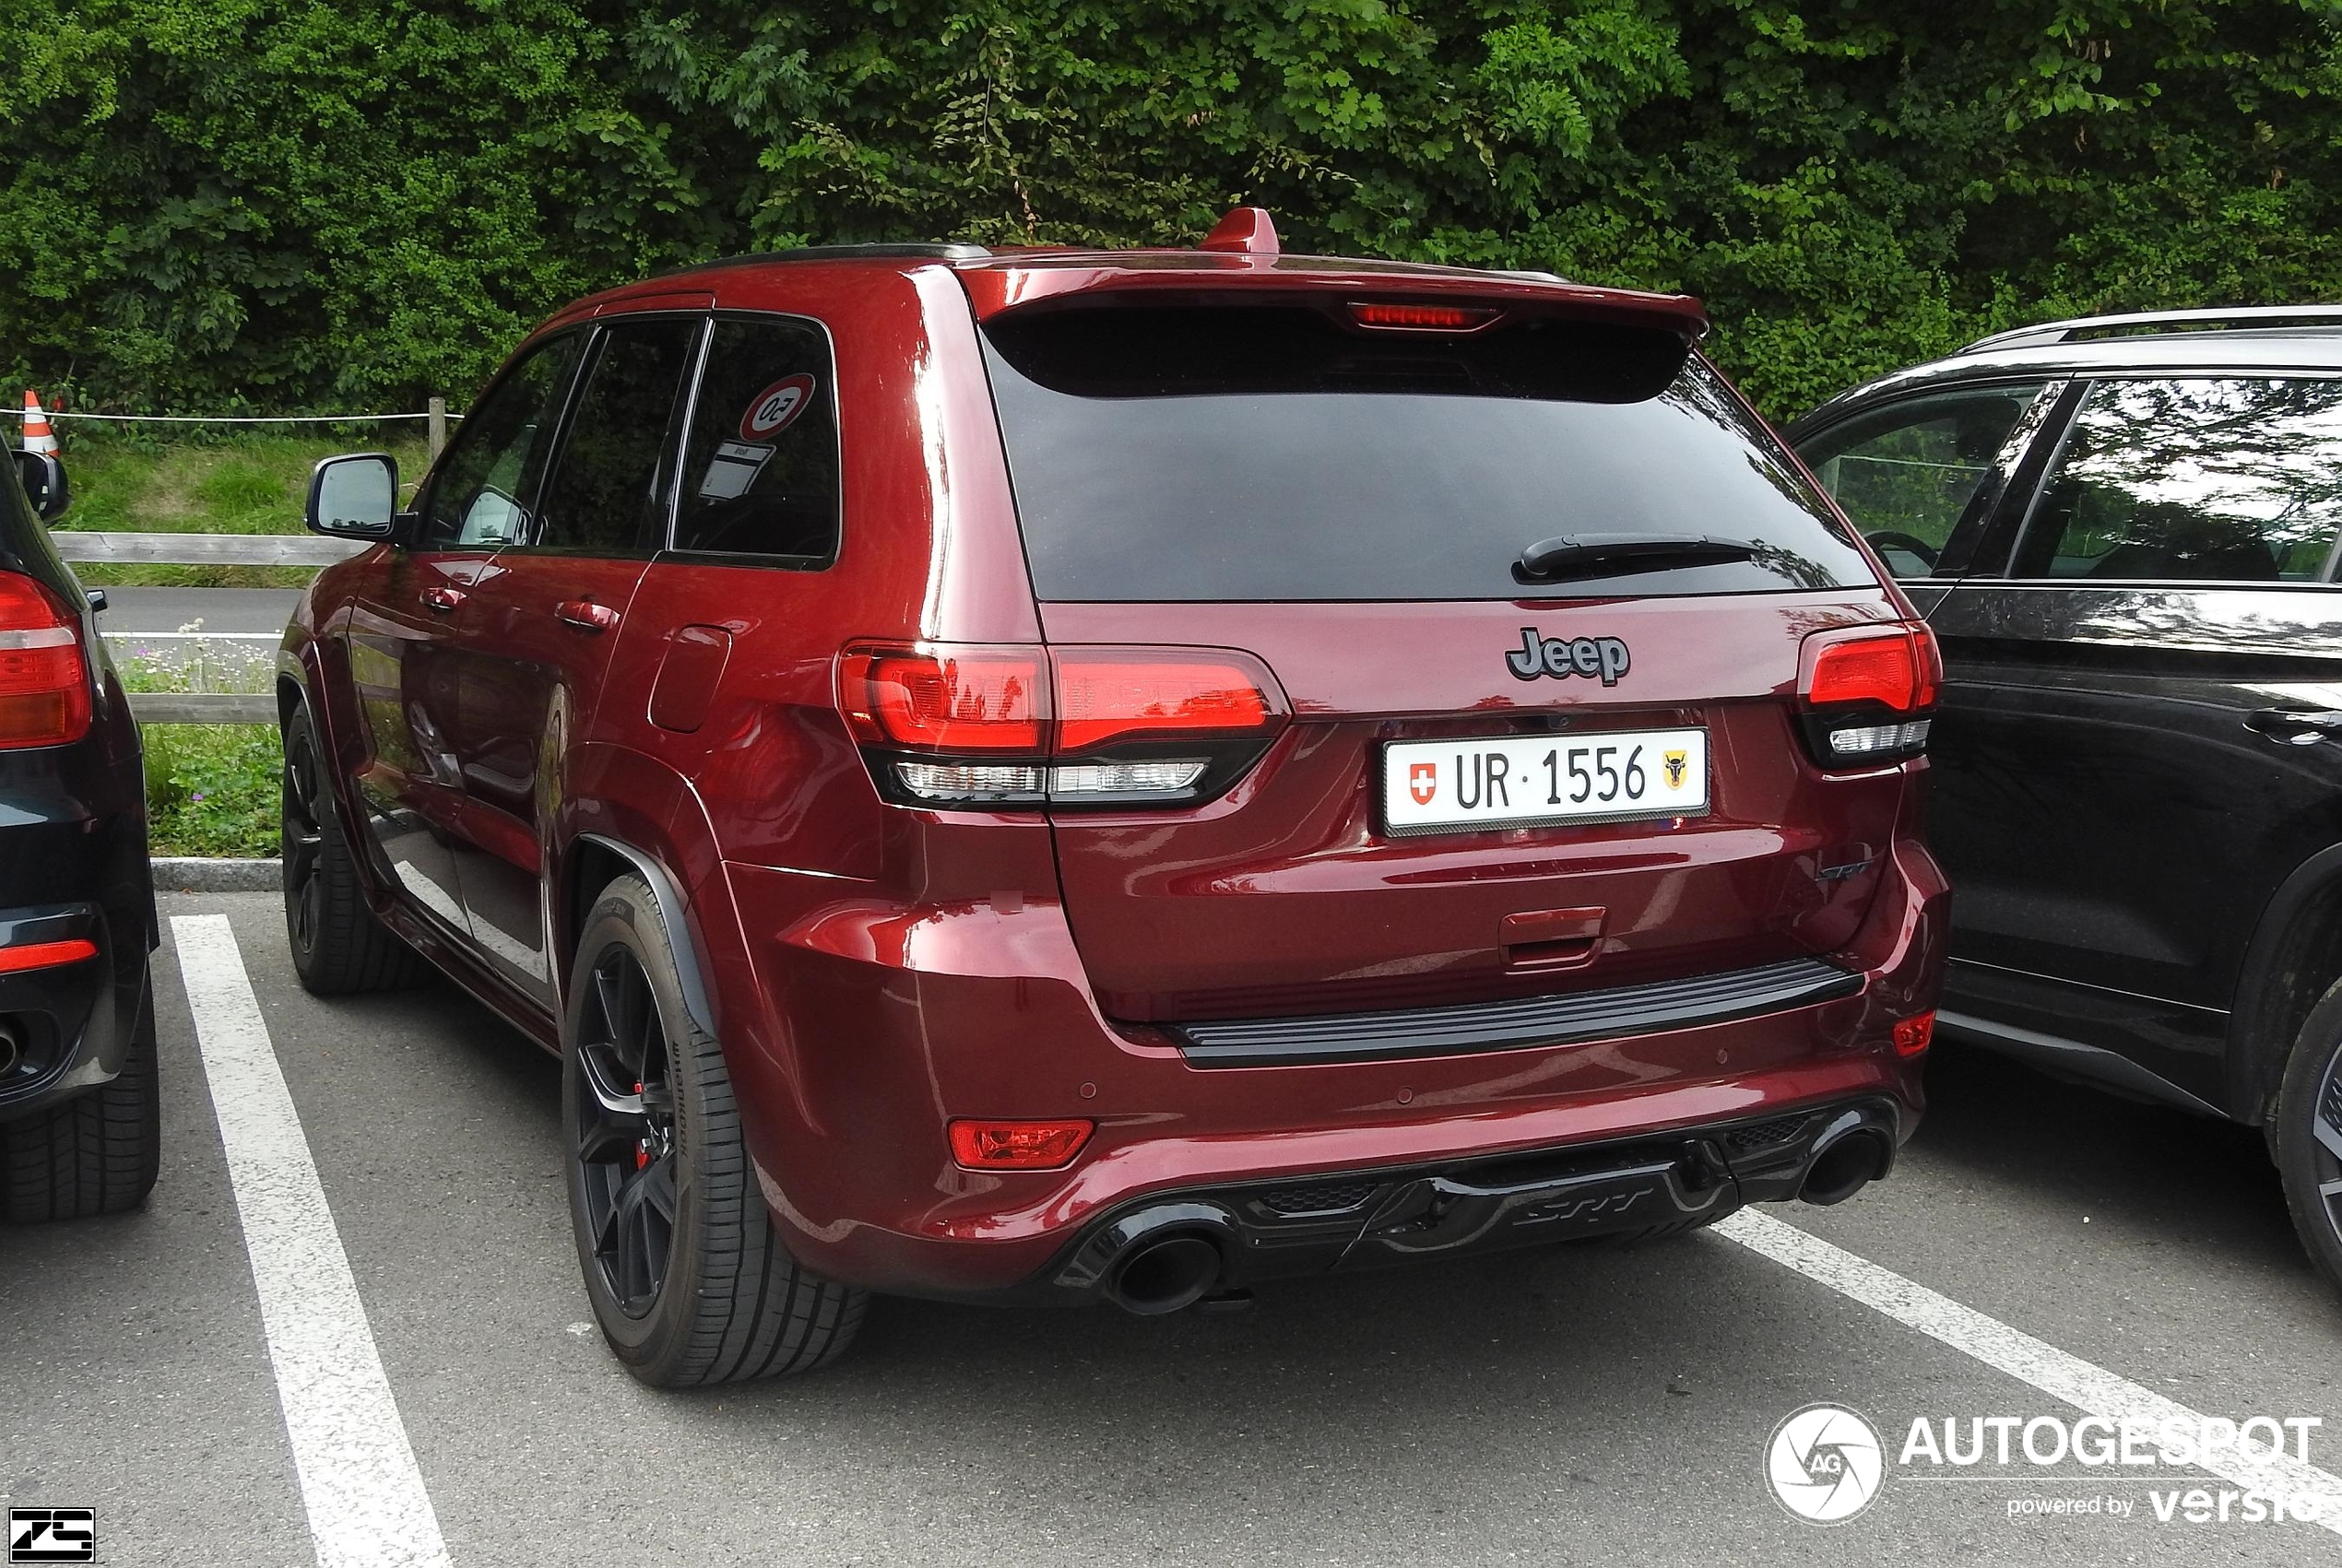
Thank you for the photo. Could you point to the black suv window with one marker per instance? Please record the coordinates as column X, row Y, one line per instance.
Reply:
column 1912, row 473
column 761, row 477
column 2210, row 480
column 482, row 491
column 1274, row 452
column 608, row 493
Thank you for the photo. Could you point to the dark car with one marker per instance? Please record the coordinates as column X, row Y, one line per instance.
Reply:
column 1061, row 775
column 2126, row 531
column 80, row 1115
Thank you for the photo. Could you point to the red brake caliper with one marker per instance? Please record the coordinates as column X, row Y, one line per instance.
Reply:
column 642, row 1145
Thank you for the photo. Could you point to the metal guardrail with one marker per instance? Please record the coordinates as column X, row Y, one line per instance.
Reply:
column 203, row 707
column 205, row 549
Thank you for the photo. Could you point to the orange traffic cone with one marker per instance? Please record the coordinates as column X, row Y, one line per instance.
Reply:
column 38, row 436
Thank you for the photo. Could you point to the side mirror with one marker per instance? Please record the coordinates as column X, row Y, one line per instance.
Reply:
column 45, row 483
column 354, row 496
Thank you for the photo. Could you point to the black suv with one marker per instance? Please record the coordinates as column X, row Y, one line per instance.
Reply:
column 80, row 1115
column 2125, row 532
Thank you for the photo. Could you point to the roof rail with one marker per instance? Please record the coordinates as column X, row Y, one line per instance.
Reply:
column 2250, row 318
column 877, row 250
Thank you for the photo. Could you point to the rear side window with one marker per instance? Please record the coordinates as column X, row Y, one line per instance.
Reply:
column 1274, row 452
column 608, row 491
column 760, row 472
column 2209, row 480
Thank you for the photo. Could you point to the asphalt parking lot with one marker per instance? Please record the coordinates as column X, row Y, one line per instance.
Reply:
column 1598, row 1404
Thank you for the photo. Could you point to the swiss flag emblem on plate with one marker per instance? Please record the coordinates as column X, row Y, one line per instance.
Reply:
column 1423, row 782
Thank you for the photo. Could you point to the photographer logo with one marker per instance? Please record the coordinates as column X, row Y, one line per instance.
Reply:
column 1825, row 1463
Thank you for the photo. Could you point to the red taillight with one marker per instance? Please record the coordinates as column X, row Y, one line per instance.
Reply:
column 44, row 679
column 46, row 955
column 1017, row 1146
column 1106, row 695
column 1020, row 726
column 1912, row 1035
column 1422, row 318
column 942, row 698
column 1885, row 670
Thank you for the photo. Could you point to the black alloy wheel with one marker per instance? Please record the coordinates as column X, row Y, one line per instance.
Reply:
column 304, row 842
column 622, row 1123
column 2305, row 1135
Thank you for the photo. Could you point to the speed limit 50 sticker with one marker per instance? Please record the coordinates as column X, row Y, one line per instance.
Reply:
column 777, row 407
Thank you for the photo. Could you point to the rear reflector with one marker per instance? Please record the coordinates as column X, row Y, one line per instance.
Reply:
column 1422, row 318
column 44, row 679
column 46, row 955
column 1912, row 1035
column 1017, row 1146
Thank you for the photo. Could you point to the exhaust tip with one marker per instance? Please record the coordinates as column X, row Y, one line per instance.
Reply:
column 1166, row 1275
column 11, row 1049
column 1844, row 1168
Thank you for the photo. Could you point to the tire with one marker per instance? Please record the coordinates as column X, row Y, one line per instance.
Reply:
column 96, row 1153
column 687, row 1278
column 2306, row 1135
column 338, row 946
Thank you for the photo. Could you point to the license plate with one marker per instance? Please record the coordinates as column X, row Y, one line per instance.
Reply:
column 1522, row 781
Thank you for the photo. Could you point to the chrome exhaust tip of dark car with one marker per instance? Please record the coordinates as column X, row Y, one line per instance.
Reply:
column 11, row 1047
column 1165, row 1274
column 1845, row 1165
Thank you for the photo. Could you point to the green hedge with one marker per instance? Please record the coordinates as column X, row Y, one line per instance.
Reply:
column 210, row 204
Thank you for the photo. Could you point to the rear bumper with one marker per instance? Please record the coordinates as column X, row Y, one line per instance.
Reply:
column 875, row 1024
column 1378, row 1217
column 65, row 1027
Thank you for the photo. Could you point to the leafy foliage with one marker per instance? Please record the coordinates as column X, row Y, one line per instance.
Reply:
column 297, row 203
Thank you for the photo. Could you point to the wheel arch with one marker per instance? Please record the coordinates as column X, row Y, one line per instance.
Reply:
column 594, row 860
column 2293, row 958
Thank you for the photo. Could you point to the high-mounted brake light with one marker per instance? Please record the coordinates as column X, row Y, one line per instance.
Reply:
column 1422, row 318
column 44, row 678
column 1867, row 693
column 1020, row 726
column 1018, row 1146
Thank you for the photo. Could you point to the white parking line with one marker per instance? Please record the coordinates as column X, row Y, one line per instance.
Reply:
column 359, row 1481
column 2011, row 1350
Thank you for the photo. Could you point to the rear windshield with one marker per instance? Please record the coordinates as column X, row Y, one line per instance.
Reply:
column 1274, row 452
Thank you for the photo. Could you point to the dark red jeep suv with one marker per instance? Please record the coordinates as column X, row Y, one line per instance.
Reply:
column 1050, row 775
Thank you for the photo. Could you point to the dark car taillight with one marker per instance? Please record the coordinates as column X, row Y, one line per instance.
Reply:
column 1865, row 695
column 44, row 677
column 962, row 724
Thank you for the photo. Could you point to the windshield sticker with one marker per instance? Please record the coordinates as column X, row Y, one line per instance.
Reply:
column 777, row 407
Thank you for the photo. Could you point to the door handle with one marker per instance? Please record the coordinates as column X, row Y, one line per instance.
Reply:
column 443, row 599
column 2288, row 727
column 585, row 615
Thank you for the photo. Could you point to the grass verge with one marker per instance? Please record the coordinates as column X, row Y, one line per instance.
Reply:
column 211, row 789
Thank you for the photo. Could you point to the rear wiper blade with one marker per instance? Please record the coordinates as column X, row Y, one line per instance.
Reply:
column 1598, row 555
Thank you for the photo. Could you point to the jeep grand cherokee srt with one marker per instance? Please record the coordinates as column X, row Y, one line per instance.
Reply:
column 1061, row 775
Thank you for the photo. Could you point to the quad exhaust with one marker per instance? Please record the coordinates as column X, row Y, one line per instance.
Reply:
column 11, row 1047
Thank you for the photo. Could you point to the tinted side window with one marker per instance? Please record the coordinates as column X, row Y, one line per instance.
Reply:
column 1910, row 473
column 760, row 472
column 2211, row 479
column 484, row 487
column 608, row 492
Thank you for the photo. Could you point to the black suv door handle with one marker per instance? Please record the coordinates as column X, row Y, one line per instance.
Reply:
column 2288, row 727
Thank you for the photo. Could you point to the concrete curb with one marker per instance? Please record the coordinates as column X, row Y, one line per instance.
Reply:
column 191, row 875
